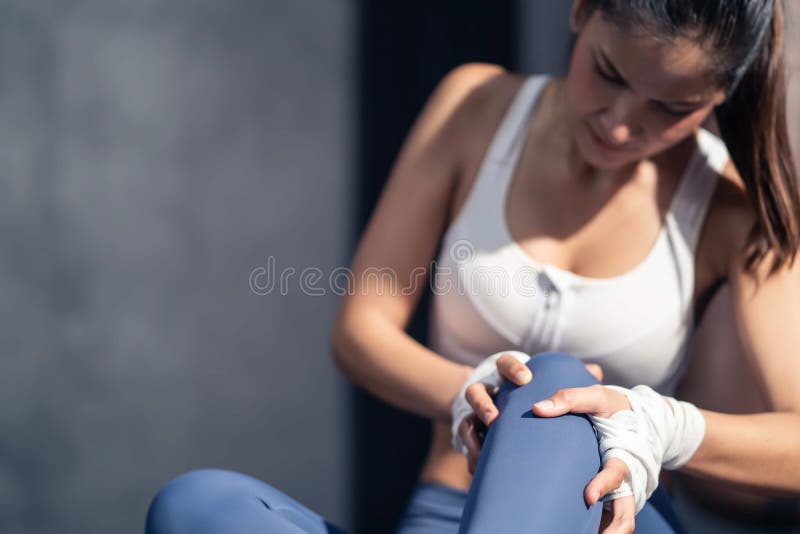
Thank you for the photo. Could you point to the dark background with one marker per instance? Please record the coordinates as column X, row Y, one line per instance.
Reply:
column 404, row 50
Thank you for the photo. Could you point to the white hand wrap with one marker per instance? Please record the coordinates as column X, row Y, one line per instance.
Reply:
column 652, row 434
column 485, row 373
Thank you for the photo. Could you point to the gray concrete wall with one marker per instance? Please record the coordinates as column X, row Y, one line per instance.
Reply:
column 152, row 155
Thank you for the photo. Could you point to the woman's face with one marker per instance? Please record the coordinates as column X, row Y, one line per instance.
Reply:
column 630, row 97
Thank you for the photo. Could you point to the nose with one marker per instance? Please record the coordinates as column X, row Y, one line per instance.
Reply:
column 620, row 122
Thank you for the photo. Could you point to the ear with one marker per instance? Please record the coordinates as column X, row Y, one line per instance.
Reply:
column 577, row 16
column 719, row 98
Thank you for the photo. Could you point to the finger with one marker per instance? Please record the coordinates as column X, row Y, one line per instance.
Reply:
column 596, row 371
column 472, row 464
column 608, row 479
column 514, row 370
column 589, row 399
column 478, row 396
column 624, row 513
column 469, row 435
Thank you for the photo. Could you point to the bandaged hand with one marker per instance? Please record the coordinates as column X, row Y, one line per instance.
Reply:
column 654, row 431
column 485, row 373
column 473, row 408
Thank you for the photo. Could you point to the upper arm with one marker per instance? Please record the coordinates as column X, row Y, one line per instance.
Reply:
column 391, row 262
column 767, row 315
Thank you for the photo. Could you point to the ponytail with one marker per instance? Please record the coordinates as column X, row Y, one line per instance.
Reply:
column 752, row 123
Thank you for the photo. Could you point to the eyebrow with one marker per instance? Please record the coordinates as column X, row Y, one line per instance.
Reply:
column 615, row 72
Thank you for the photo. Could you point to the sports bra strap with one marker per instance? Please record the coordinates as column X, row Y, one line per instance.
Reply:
column 512, row 128
column 696, row 189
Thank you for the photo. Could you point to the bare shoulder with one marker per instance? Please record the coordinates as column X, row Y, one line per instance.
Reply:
column 477, row 93
column 490, row 88
column 477, row 81
column 730, row 218
column 411, row 214
column 454, row 110
column 470, row 77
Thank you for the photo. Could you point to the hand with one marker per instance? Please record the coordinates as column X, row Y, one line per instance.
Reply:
column 621, row 518
column 472, row 428
column 599, row 401
column 652, row 431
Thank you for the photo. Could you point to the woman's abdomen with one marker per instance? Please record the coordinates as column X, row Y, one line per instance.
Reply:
column 444, row 465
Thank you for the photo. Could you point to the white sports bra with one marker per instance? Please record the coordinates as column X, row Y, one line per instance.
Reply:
column 489, row 295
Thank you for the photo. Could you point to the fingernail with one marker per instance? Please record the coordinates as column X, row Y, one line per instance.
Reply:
column 546, row 404
column 523, row 376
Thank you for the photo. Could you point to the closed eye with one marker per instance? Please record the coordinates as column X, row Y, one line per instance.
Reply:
column 607, row 77
column 621, row 83
column 673, row 112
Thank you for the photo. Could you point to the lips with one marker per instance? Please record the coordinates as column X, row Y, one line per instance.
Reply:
column 603, row 143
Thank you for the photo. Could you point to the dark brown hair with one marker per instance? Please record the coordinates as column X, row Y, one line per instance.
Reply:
column 746, row 38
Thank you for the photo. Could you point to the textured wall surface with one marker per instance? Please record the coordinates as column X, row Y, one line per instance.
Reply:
column 152, row 154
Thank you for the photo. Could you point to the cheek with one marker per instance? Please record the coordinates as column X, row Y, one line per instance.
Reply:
column 588, row 94
column 665, row 131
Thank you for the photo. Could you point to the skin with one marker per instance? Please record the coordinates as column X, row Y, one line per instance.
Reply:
column 619, row 194
column 720, row 379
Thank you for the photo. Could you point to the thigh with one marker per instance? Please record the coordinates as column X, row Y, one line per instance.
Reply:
column 433, row 509
column 532, row 470
column 437, row 509
column 211, row 501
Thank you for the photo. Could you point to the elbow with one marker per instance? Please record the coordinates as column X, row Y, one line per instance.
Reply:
column 337, row 343
column 349, row 342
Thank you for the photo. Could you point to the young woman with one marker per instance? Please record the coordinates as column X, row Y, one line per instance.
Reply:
column 605, row 216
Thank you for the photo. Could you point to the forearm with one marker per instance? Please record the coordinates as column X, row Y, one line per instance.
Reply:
column 759, row 450
column 381, row 358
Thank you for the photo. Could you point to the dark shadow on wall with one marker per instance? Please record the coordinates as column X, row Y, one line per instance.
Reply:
column 405, row 48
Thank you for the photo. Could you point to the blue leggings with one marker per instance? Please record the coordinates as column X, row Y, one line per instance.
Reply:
column 530, row 477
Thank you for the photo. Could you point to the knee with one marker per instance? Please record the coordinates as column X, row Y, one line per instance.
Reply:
column 561, row 368
column 178, row 504
column 551, row 371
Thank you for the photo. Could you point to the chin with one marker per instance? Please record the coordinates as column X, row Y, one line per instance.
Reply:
column 597, row 158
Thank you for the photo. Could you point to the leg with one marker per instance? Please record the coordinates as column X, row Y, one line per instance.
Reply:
column 532, row 471
column 433, row 509
column 216, row 501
